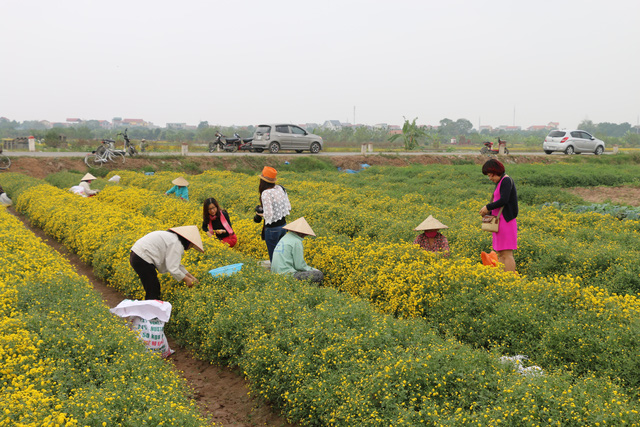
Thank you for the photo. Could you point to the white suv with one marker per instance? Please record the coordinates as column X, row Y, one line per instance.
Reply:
column 572, row 141
column 278, row 137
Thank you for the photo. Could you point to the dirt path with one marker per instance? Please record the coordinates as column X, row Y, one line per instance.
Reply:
column 221, row 393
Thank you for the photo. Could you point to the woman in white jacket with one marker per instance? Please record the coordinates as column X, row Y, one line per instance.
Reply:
column 85, row 183
column 163, row 251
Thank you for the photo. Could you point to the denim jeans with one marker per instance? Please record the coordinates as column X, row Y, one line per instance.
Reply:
column 272, row 236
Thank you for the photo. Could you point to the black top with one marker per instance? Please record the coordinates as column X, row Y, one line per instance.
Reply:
column 508, row 199
column 217, row 225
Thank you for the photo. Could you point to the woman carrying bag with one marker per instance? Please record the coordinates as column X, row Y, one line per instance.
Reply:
column 505, row 207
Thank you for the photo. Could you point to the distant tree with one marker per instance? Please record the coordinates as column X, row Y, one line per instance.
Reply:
column 463, row 126
column 459, row 127
column 362, row 135
column 92, row 124
column 203, row 125
column 83, row 132
column 208, row 134
column 411, row 133
column 33, row 124
column 613, row 129
column 52, row 138
column 446, row 127
column 587, row 125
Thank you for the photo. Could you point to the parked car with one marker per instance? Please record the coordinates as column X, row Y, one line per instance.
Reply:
column 276, row 137
column 572, row 141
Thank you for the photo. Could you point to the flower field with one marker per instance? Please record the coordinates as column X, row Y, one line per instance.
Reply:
column 64, row 359
column 397, row 336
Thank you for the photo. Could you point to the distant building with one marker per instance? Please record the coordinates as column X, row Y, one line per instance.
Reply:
column 176, row 126
column 134, row 123
column 382, row 126
column 485, row 127
column 104, row 124
column 550, row 126
column 309, row 126
column 510, row 128
column 332, row 125
column 74, row 121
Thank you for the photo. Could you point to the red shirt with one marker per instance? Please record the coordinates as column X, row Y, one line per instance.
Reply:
column 440, row 243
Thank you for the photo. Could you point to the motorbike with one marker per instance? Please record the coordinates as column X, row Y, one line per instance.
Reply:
column 488, row 147
column 128, row 146
column 233, row 144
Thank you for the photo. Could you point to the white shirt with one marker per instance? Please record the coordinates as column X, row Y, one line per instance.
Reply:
column 87, row 190
column 275, row 204
column 164, row 250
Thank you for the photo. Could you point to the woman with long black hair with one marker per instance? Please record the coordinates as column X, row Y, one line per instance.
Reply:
column 274, row 207
column 216, row 222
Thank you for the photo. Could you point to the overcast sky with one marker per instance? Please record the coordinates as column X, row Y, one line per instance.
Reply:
column 236, row 62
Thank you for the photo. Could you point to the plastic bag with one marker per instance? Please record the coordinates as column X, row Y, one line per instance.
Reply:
column 490, row 258
column 76, row 189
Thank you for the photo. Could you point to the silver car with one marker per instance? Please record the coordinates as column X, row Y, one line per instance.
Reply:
column 276, row 137
column 572, row 141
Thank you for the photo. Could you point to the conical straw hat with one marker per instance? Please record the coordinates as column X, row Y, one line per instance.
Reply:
column 430, row 224
column 300, row 225
column 191, row 233
column 88, row 177
column 180, row 181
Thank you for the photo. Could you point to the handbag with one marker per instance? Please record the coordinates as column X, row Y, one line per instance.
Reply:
column 491, row 223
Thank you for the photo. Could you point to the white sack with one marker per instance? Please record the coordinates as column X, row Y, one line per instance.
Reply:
column 148, row 319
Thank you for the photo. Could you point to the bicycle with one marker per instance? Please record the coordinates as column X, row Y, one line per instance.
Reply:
column 105, row 153
column 5, row 162
column 128, row 146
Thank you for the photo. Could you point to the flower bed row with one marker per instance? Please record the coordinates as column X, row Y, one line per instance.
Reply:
column 64, row 359
column 326, row 358
column 599, row 249
column 558, row 321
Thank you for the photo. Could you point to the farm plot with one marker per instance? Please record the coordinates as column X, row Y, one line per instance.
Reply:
column 329, row 359
column 64, row 359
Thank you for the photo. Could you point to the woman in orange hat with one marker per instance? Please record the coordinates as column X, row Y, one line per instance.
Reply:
column 163, row 251
column 273, row 208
